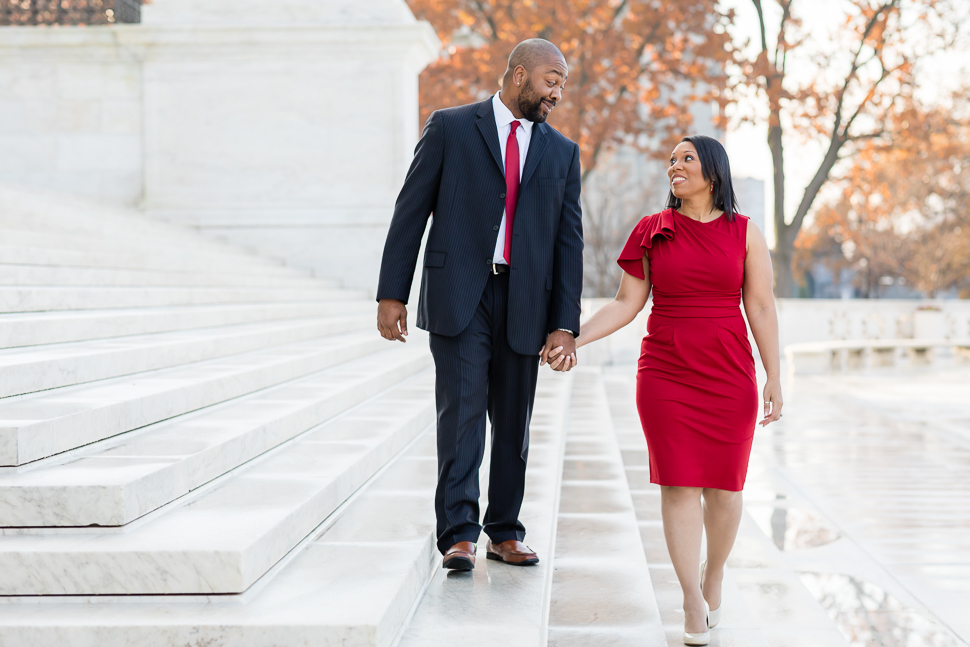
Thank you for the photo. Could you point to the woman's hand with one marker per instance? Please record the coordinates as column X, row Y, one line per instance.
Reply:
column 773, row 401
column 560, row 345
column 560, row 361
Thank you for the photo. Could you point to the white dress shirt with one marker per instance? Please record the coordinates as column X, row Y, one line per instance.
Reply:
column 523, row 135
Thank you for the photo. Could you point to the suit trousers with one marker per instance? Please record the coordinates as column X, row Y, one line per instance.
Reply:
column 476, row 372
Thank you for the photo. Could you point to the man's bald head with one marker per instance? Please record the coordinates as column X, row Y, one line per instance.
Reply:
column 534, row 80
column 532, row 53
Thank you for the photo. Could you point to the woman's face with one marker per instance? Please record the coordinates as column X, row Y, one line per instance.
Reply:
column 686, row 177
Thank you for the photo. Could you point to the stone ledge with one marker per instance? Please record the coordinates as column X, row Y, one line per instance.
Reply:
column 21, row 329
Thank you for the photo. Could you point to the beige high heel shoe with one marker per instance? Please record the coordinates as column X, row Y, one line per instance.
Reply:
column 713, row 615
column 704, row 638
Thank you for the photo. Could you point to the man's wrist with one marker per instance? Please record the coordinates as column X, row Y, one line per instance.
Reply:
column 565, row 330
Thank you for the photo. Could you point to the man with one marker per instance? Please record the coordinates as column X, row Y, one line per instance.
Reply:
column 500, row 288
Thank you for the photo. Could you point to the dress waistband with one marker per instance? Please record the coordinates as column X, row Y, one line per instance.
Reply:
column 698, row 304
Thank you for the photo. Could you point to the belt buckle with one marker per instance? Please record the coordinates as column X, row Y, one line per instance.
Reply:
column 495, row 269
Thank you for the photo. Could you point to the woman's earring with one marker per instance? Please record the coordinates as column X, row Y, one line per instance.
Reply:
column 712, row 187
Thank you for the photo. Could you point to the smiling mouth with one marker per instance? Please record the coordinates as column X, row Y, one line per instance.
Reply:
column 678, row 179
column 548, row 105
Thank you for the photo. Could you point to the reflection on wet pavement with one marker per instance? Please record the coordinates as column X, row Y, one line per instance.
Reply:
column 884, row 458
column 869, row 617
column 793, row 528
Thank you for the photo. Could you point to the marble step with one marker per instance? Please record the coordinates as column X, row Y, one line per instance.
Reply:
column 117, row 481
column 225, row 537
column 110, row 243
column 84, row 218
column 46, row 275
column 42, row 299
column 38, row 328
column 498, row 604
column 32, row 217
column 601, row 592
column 350, row 584
column 37, row 368
column 164, row 257
column 43, row 424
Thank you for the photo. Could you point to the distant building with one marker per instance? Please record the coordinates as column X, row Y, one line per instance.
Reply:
column 823, row 283
column 751, row 199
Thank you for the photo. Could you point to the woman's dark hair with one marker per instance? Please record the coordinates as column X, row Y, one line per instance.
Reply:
column 717, row 169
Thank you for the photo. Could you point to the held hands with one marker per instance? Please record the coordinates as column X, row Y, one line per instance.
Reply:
column 392, row 320
column 559, row 352
column 773, row 401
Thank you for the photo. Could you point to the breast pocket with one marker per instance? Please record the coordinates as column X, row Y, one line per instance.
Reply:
column 551, row 191
column 553, row 183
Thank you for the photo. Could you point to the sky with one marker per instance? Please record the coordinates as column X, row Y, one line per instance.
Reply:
column 746, row 143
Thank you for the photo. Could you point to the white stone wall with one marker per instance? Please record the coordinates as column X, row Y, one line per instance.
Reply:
column 284, row 127
column 808, row 320
column 804, row 320
column 70, row 113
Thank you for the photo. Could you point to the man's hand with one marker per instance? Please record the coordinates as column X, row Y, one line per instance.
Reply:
column 559, row 351
column 392, row 319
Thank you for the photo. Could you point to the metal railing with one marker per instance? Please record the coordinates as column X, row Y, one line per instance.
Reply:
column 69, row 12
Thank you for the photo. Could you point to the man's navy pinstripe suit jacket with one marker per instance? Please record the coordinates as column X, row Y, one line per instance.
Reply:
column 458, row 175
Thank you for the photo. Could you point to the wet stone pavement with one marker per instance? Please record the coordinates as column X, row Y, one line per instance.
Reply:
column 857, row 514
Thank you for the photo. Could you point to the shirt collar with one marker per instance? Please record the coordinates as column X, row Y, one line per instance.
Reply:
column 504, row 116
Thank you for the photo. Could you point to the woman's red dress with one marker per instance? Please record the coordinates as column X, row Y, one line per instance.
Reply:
column 696, row 388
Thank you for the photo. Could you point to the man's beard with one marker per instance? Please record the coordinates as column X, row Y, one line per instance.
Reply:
column 530, row 103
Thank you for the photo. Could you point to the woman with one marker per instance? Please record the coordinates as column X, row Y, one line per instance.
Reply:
column 696, row 388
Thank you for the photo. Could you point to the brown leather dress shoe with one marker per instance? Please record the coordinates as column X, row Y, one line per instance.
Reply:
column 512, row 552
column 460, row 557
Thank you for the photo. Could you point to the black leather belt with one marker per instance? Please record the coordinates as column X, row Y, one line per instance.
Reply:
column 499, row 269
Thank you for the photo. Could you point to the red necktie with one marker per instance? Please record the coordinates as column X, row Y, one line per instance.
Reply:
column 511, row 187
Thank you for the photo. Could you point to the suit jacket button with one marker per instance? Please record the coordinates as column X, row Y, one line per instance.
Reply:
column 495, row 228
column 502, row 196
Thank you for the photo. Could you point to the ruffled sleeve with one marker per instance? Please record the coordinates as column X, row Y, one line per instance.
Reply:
column 659, row 224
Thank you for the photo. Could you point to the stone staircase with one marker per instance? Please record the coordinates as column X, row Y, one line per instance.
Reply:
column 186, row 433
column 202, row 447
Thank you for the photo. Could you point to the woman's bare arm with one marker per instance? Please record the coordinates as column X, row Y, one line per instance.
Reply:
column 629, row 301
column 625, row 306
column 759, row 306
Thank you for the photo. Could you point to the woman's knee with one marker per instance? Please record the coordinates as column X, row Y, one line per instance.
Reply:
column 721, row 498
column 677, row 494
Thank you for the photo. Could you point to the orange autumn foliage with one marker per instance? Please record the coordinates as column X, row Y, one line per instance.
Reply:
column 866, row 71
column 635, row 66
column 904, row 207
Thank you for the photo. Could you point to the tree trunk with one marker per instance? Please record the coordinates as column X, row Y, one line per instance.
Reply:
column 781, row 257
column 781, row 260
column 787, row 232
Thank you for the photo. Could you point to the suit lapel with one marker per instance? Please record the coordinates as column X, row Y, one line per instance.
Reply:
column 536, row 148
column 486, row 124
